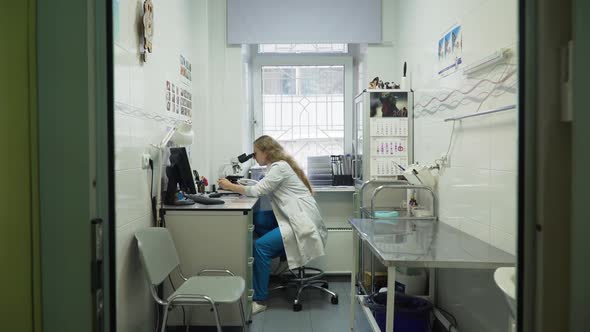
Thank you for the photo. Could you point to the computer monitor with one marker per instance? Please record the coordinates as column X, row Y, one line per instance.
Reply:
column 179, row 174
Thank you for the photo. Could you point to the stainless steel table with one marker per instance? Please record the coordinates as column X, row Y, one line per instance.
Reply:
column 412, row 243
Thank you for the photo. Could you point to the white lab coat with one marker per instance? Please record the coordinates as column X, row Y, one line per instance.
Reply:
column 302, row 227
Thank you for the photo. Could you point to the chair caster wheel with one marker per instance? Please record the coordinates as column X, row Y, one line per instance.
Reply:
column 297, row 307
column 334, row 300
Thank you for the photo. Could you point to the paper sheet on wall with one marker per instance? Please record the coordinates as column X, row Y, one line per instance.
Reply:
column 388, row 166
column 389, row 147
column 389, row 126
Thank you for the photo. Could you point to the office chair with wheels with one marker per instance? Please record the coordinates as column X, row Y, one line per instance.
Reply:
column 159, row 258
column 302, row 278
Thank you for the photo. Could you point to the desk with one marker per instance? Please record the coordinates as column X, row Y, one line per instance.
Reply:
column 438, row 246
column 215, row 237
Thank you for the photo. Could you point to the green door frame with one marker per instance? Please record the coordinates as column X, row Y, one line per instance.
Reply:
column 580, row 288
column 75, row 158
column 547, row 154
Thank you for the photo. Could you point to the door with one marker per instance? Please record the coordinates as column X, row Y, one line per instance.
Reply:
column 580, row 289
column 75, row 165
column 19, row 251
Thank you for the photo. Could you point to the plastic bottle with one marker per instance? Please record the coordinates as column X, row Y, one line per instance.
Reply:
column 180, row 195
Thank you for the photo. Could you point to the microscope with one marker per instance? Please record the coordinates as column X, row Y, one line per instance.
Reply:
column 234, row 171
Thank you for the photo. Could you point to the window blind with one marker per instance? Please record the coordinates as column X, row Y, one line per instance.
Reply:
column 303, row 21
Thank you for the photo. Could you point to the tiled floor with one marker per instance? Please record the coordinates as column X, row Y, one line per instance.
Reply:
column 318, row 313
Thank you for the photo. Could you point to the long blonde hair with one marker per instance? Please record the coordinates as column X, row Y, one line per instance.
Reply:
column 275, row 152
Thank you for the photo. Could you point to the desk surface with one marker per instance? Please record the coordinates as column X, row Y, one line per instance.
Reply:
column 428, row 245
column 232, row 203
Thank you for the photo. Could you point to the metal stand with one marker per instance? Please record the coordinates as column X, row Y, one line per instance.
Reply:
column 358, row 252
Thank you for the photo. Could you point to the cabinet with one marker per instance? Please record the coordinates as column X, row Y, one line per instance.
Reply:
column 213, row 237
column 382, row 141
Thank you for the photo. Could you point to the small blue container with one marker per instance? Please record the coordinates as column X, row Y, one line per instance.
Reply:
column 386, row 214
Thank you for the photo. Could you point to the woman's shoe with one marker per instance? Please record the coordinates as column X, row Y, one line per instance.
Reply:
column 257, row 308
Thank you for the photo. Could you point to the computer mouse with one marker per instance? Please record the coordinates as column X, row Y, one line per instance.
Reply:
column 214, row 195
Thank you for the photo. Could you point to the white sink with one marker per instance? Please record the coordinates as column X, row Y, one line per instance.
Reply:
column 505, row 278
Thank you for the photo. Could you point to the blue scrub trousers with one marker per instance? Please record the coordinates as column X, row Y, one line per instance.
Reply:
column 269, row 245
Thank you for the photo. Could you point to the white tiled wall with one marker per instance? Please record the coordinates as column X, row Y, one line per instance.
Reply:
column 141, row 119
column 478, row 191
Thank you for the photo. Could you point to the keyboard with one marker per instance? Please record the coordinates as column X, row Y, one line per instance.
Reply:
column 205, row 200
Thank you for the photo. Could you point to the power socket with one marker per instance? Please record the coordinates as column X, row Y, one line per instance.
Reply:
column 145, row 161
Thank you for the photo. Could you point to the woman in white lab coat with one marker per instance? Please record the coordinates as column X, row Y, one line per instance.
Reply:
column 301, row 233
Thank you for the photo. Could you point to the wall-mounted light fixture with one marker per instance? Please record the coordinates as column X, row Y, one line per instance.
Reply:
column 492, row 59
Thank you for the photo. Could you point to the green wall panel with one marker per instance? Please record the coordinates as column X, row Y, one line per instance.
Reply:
column 65, row 99
column 580, row 270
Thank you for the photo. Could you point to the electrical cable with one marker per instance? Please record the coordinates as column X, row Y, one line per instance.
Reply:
column 466, row 92
column 494, row 88
column 454, row 323
column 460, row 101
column 484, row 79
column 457, row 102
column 450, row 141
column 489, row 94
column 152, row 198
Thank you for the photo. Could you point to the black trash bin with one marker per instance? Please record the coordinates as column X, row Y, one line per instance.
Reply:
column 412, row 314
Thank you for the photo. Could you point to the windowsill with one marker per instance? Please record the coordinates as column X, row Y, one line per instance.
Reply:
column 334, row 189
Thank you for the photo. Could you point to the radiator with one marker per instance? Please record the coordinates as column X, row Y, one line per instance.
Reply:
column 338, row 258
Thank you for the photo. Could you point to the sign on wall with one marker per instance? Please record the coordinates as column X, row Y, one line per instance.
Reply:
column 450, row 50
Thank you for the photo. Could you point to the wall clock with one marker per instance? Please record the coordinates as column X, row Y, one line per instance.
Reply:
column 148, row 27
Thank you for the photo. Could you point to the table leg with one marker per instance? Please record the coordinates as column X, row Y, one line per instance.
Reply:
column 390, row 298
column 373, row 288
column 355, row 256
column 432, row 285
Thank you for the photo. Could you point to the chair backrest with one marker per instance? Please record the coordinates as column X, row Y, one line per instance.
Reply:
column 157, row 253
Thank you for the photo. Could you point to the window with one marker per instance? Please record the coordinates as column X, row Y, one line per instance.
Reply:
column 303, row 48
column 303, row 109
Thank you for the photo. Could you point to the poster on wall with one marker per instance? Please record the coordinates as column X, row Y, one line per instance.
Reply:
column 178, row 99
column 450, row 51
column 389, row 105
column 185, row 69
